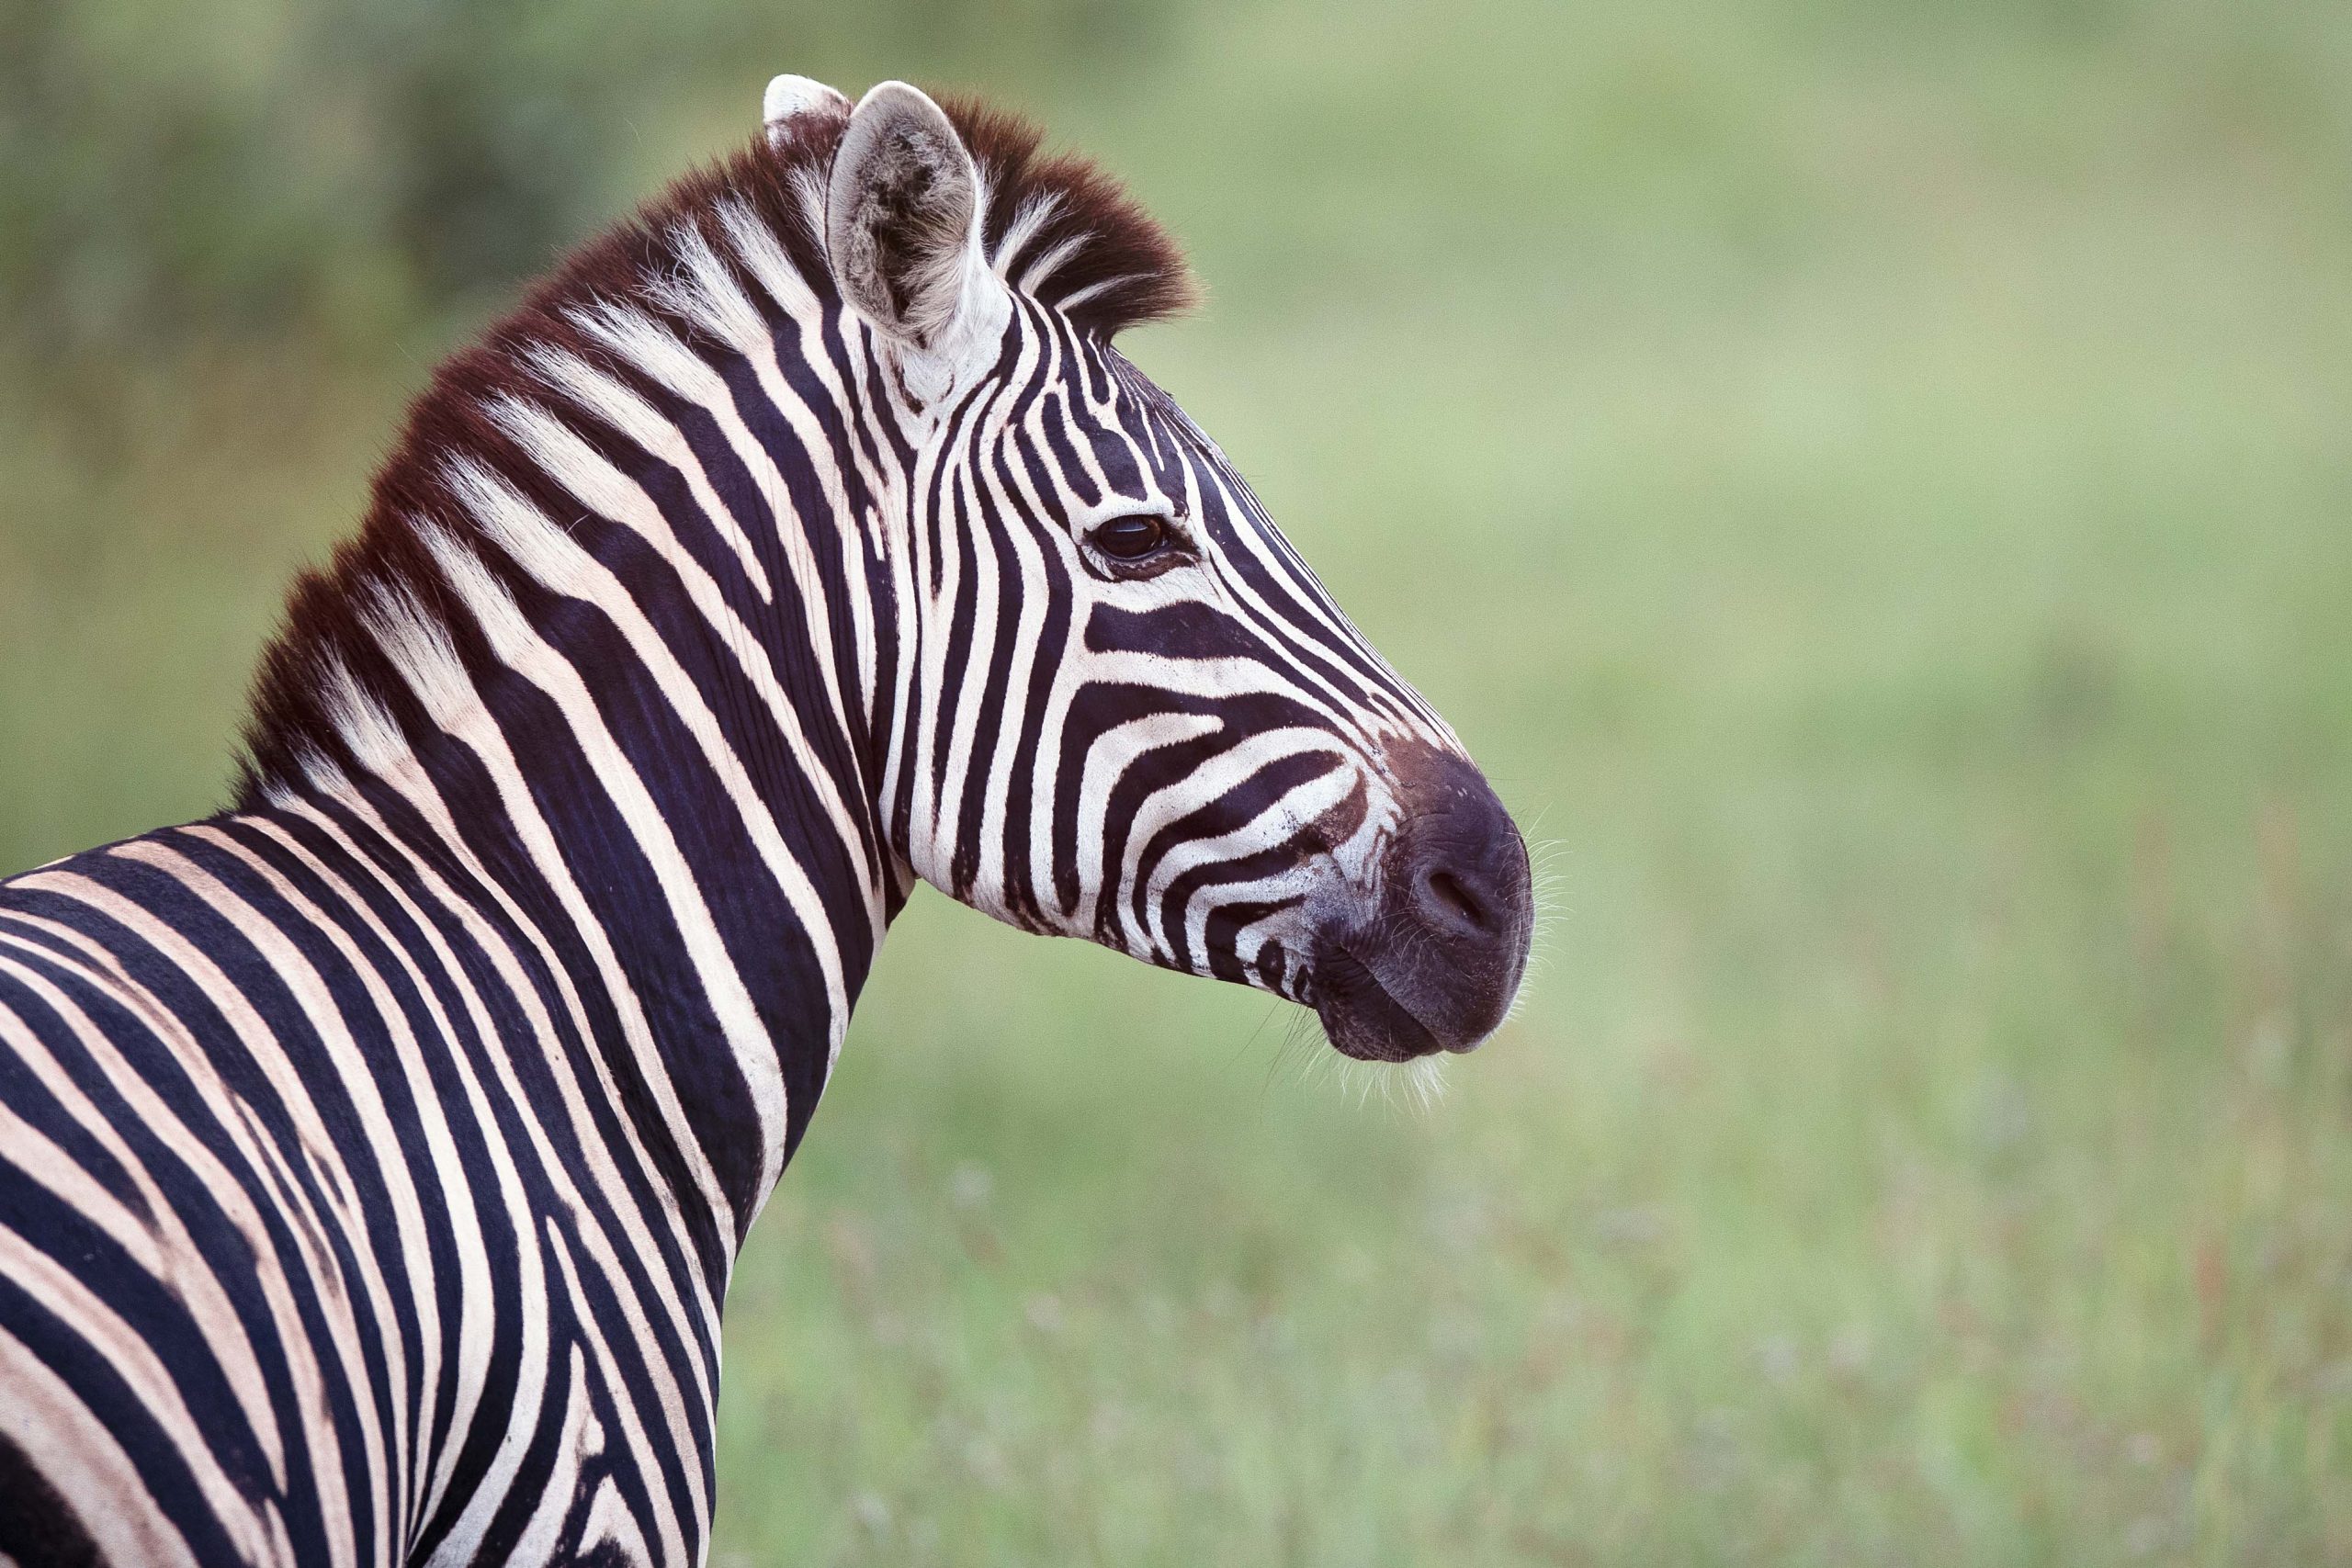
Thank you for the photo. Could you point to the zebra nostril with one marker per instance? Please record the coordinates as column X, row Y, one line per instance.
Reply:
column 1452, row 903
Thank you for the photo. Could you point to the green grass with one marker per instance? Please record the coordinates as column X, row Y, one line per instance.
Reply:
column 1873, row 486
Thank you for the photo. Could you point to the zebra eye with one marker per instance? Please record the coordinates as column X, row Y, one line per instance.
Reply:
column 1129, row 539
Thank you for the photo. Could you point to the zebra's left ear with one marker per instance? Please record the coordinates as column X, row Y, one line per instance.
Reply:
column 902, row 231
column 790, row 98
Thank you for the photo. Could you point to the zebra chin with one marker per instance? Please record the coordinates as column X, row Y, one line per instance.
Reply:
column 1435, row 961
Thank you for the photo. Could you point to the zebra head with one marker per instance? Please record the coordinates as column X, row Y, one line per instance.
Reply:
column 1125, row 708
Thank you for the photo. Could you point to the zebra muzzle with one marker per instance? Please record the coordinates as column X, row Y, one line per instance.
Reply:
column 1435, row 965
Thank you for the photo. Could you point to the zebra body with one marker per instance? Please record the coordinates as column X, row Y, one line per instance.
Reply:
column 373, row 1155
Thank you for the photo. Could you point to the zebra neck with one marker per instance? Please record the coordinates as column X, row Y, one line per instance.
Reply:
column 616, row 680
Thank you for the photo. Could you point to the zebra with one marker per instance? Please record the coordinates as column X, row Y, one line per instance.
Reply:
column 374, row 1154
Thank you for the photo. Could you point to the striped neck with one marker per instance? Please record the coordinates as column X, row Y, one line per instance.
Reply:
column 613, row 647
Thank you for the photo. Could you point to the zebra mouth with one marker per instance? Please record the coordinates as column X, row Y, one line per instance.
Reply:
column 1430, row 960
column 1360, row 1016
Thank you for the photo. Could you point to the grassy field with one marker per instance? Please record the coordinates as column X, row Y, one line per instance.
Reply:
column 1875, row 488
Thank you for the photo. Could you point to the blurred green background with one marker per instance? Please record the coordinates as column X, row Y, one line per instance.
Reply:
column 1869, row 479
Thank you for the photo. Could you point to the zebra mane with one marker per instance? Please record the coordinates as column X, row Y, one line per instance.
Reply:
column 1067, row 234
column 1056, row 228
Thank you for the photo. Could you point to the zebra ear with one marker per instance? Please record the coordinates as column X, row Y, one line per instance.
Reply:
column 902, row 231
column 789, row 98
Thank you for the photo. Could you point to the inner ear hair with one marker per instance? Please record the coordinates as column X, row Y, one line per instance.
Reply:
column 899, row 214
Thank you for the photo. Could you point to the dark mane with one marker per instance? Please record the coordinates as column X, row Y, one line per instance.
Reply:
column 1115, row 268
column 1123, row 262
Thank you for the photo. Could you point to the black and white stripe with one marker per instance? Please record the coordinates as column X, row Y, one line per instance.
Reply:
column 373, row 1155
